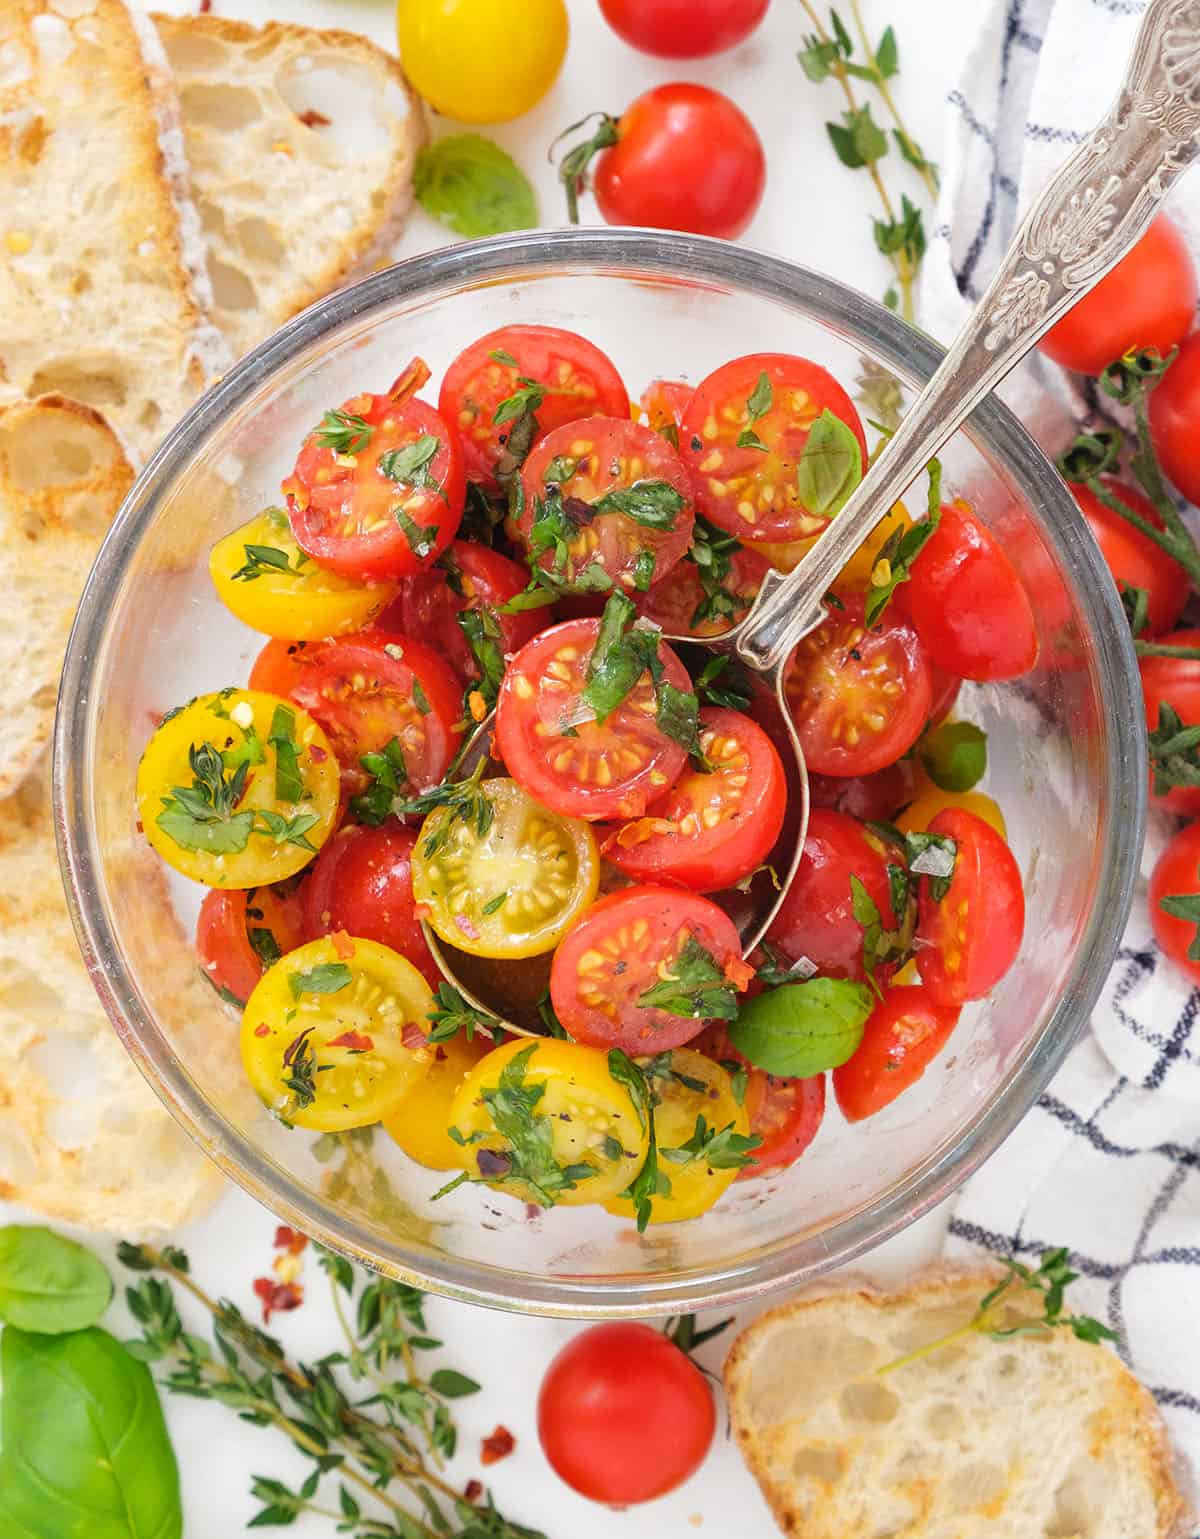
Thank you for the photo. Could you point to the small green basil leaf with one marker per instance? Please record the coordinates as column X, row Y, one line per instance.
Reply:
column 49, row 1284
column 955, row 755
column 830, row 466
column 801, row 1029
column 470, row 184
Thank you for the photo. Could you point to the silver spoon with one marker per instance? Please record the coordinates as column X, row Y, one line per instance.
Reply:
column 1091, row 213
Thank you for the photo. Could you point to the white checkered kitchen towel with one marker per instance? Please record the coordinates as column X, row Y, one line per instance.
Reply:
column 1108, row 1162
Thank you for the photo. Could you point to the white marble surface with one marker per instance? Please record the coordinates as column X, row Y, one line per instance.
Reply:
column 816, row 212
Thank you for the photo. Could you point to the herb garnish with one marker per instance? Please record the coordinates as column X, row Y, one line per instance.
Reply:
column 804, row 1027
column 410, row 466
column 264, row 559
column 653, row 504
column 895, row 561
column 758, row 403
column 695, row 987
column 830, row 465
column 262, row 941
column 388, row 773
column 301, row 1068
column 282, row 737
column 452, row 1014
column 712, row 554
column 649, row 1181
column 719, row 1149
column 343, row 432
column 201, row 816
column 324, row 978
column 722, row 681
column 466, row 801
column 486, row 641
column 422, row 538
column 623, row 653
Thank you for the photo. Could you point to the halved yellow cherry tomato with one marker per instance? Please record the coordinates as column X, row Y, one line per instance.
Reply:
column 857, row 571
column 571, row 1135
column 475, row 60
column 263, row 576
column 919, row 814
column 421, row 1122
column 784, row 554
column 512, row 890
column 238, row 789
column 689, row 1086
column 333, row 1034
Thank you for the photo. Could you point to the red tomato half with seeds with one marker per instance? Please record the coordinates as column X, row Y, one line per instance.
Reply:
column 361, row 883
column 711, row 829
column 1177, row 875
column 682, row 606
column 568, row 762
column 753, row 492
column 860, row 698
column 378, row 489
column 606, row 496
column 1132, row 557
column 240, row 933
column 906, row 1031
column 1175, row 419
column 785, row 1113
column 574, row 379
column 967, row 603
column 625, row 945
column 1174, row 681
column 969, row 938
column 816, row 919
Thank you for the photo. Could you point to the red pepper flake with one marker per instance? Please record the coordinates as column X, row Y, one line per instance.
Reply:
column 205, row 7
column 473, row 1490
column 498, row 1445
column 355, row 1041
column 314, row 119
column 739, row 973
column 277, row 1296
column 412, row 1037
column 316, row 753
column 262, row 1029
column 342, row 944
column 290, row 1240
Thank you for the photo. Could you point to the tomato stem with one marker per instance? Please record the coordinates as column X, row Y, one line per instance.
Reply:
column 1164, row 649
column 1174, row 539
column 573, row 167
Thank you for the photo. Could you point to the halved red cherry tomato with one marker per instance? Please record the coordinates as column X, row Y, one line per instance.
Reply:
column 1174, row 681
column 469, row 577
column 575, row 378
column 362, row 883
column 631, row 942
column 367, row 689
column 240, row 933
column 816, row 919
column 859, row 697
column 1148, row 300
column 968, row 604
column 1177, row 875
column 378, row 488
column 584, row 768
column 1132, row 557
column 683, row 29
column 906, row 1031
column 714, row 828
column 682, row 606
column 754, row 492
column 785, row 1113
column 873, row 798
column 1175, row 419
column 969, row 938
column 664, row 402
column 606, row 496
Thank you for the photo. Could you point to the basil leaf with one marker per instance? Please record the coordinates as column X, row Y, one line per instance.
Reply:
column 619, row 659
column 678, row 716
column 282, row 738
column 654, row 504
column 696, row 987
column 830, row 466
column 955, row 755
column 802, row 1029
column 49, row 1284
column 85, row 1449
column 470, row 184
column 325, row 978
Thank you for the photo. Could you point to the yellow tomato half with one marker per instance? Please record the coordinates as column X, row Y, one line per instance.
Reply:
column 919, row 814
column 481, row 61
column 323, row 1034
column 263, row 576
column 857, row 571
column 421, row 1122
column 238, row 789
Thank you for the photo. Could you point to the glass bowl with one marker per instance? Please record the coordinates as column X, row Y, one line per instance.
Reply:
column 1067, row 763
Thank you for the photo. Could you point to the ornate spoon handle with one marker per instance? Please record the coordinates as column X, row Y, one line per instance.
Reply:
column 1096, row 207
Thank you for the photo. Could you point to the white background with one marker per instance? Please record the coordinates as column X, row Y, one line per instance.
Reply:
column 816, row 212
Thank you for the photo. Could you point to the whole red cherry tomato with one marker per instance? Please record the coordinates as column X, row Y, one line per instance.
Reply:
column 1133, row 557
column 1177, row 875
column 683, row 29
column 1174, row 681
column 1175, row 419
column 623, row 1415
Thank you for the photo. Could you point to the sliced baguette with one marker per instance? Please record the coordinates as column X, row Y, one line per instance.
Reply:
column 301, row 145
column 102, row 285
column 1036, row 1437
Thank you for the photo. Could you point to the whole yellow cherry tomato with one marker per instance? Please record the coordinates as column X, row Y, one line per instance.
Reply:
column 919, row 814
column 481, row 61
column 421, row 1122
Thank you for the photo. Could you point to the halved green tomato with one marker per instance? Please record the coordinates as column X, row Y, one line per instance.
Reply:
column 263, row 576
column 333, row 1036
column 238, row 789
column 503, row 876
column 547, row 1122
column 701, row 1128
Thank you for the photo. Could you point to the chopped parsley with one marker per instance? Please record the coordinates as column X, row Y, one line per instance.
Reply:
column 719, row 1149
column 758, row 403
column 343, row 432
column 325, row 978
column 388, row 773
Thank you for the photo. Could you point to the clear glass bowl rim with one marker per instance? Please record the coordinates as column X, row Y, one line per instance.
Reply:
column 913, row 356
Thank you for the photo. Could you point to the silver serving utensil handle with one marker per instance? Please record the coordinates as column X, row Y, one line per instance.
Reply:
column 1096, row 207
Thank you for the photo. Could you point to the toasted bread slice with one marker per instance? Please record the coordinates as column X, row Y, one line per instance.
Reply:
column 301, row 144
column 102, row 281
column 1035, row 1437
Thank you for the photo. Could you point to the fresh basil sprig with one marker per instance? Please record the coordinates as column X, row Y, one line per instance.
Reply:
column 48, row 1283
column 801, row 1029
column 830, row 465
column 473, row 186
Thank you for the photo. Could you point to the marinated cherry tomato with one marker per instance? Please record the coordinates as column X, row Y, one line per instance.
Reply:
column 714, row 827
column 1148, row 300
column 468, row 61
column 906, row 1031
column 469, row 579
column 664, row 402
column 754, row 492
column 574, row 379
column 508, row 879
column 420, row 1124
column 279, row 665
column 1132, row 557
column 873, row 798
column 588, row 1141
column 931, row 800
column 1177, row 875
column 683, row 29
column 784, row 1113
column 584, row 768
column 239, row 934
column 1175, row 419
column 645, row 970
column 378, row 488
column 623, row 1415
column 238, row 789
column 945, row 693
column 858, row 570
column 606, row 496
column 967, row 603
column 696, row 601
column 369, row 689
column 325, row 1034
column 859, row 697
column 969, row 937
column 1174, row 681
column 816, row 919
column 362, row 883
column 695, row 1106
column 268, row 582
